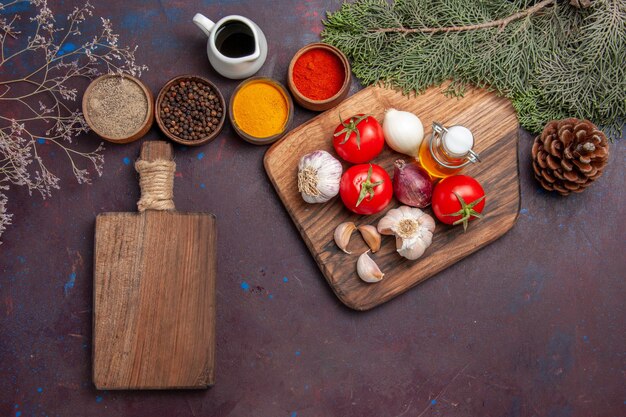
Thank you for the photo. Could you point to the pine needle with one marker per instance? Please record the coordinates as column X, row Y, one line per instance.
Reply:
column 551, row 59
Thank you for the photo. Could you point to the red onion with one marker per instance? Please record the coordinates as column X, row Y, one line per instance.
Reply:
column 411, row 184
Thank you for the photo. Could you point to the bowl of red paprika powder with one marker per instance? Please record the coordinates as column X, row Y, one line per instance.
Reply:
column 319, row 76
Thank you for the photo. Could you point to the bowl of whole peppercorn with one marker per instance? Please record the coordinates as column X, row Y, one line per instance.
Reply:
column 190, row 110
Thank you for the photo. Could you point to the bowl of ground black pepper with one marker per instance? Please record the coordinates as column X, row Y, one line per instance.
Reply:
column 190, row 110
column 319, row 76
column 118, row 108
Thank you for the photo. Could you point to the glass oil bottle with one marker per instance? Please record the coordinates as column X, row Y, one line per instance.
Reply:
column 447, row 151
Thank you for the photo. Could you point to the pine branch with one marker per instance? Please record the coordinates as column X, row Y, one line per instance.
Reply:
column 500, row 23
column 551, row 59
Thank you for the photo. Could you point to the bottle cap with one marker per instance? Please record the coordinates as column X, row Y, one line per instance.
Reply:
column 458, row 141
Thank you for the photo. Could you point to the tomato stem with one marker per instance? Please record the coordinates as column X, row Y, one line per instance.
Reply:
column 350, row 127
column 367, row 187
column 467, row 211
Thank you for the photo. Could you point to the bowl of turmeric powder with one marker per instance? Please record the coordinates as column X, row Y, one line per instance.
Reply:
column 319, row 76
column 260, row 110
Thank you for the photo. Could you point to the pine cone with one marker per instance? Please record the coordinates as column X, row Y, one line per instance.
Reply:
column 569, row 155
column 581, row 4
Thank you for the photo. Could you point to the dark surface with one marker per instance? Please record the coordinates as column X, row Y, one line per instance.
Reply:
column 532, row 325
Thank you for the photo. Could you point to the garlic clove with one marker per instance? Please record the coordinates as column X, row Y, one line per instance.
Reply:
column 343, row 232
column 428, row 223
column 370, row 236
column 410, row 212
column 411, row 249
column 367, row 269
column 388, row 222
column 427, row 237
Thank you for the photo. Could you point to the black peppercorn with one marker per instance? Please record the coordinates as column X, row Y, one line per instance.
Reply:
column 191, row 110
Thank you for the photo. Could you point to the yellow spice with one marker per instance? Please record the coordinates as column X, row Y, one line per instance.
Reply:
column 260, row 109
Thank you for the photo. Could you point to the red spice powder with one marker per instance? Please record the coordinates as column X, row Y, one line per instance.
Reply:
column 318, row 74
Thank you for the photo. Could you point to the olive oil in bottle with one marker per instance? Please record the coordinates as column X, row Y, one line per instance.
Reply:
column 447, row 151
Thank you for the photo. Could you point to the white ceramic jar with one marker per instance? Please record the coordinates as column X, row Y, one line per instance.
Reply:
column 236, row 47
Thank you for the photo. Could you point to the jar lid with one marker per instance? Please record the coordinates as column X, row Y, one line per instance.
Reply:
column 458, row 141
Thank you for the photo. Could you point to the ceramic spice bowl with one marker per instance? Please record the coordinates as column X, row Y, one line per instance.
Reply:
column 260, row 110
column 322, row 71
column 119, row 109
column 190, row 110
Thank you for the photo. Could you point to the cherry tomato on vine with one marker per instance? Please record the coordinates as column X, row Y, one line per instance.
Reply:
column 359, row 139
column 365, row 189
column 458, row 199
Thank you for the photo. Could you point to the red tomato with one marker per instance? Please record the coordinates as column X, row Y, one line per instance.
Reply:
column 365, row 189
column 359, row 139
column 458, row 199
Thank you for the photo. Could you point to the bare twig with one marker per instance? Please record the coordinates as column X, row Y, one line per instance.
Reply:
column 41, row 112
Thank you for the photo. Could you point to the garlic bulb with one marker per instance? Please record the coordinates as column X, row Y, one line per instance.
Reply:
column 403, row 131
column 318, row 176
column 412, row 228
column 367, row 269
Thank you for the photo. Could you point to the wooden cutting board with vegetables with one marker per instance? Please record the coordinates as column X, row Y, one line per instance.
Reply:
column 491, row 120
column 154, row 288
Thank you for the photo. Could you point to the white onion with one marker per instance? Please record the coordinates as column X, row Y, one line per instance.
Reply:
column 403, row 131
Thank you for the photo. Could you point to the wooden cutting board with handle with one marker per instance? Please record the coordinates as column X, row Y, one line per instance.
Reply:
column 154, row 294
column 493, row 122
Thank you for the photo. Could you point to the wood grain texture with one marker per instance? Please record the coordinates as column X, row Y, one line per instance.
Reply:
column 494, row 125
column 154, row 297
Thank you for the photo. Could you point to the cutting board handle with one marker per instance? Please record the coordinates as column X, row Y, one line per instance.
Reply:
column 156, row 169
